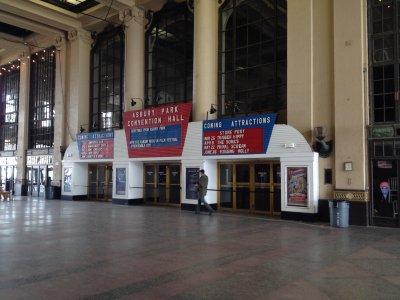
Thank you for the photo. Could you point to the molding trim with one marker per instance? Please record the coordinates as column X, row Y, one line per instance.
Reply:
column 351, row 195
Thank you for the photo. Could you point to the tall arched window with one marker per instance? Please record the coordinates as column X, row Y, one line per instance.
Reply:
column 41, row 99
column 169, row 56
column 253, row 57
column 9, row 99
column 107, row 68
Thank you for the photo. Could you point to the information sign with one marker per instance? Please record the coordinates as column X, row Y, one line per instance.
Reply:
column 96, row 145
column 246, row 135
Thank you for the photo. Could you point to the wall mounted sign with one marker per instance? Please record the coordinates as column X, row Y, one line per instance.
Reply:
column 297, row 186
column 246, row 135
column 39, row 160
column 96, row 145
column 157, row 132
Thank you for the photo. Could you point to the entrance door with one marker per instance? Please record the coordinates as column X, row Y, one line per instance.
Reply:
column 254, row 187
column 100, row 182
column 37, row 177
column 7, row 175
column 162, row 184
column 385, row 193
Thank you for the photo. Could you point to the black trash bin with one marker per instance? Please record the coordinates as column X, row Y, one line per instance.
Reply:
column 339, row 213
column 53, row 192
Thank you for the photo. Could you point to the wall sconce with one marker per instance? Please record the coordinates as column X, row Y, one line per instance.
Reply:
column 82, row 128
column 133, row 101
column 324, row 148
column 213, row 110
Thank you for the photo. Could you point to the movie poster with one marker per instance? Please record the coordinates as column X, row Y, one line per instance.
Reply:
column 192, row 181
column 67, row 179
column 297, row 186
column 120, row 181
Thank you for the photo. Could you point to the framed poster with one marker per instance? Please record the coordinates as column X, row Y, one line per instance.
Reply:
column 297, row 193
column 192, row 181
column 120, row 181
column 67, row 179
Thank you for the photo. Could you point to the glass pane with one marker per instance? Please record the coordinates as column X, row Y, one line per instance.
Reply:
column 262, row 174
column 226, row 185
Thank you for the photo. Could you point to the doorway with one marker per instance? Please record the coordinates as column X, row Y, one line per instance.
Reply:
column 385, row 192
column 253, row 187
column 37, row 179
column 100, row 182
column 162, row 184
column 7, row 177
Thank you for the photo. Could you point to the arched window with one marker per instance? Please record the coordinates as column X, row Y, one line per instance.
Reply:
column 107, row 66
column 41, row 99
column 169, row 56
column 9, row 100
column 253, row 57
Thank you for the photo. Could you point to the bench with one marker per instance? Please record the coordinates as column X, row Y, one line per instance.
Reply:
column 5, row 195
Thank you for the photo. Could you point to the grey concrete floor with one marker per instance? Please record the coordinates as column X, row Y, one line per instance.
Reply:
column 52, row 249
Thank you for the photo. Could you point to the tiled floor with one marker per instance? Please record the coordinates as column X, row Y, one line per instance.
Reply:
column 51, row 249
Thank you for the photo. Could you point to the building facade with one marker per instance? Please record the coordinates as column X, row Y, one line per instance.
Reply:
column 285, row 103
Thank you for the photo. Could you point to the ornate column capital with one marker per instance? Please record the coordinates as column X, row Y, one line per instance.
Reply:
column 83, row 35
column 59, row 42
column 134, row 13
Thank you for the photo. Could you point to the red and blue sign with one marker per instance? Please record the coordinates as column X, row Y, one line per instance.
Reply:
column 157, row 132
column 96, row 145
column 236, row 136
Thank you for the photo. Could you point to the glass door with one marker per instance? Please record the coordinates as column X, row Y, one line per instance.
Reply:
column 100, row 182
column 163, row 184
column 253, row 187
column 150, row 183
column 174, row 173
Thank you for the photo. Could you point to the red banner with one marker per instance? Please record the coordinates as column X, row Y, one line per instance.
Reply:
column 157, row 132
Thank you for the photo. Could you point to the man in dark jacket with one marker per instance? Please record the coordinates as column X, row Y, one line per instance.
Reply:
column 203, row 183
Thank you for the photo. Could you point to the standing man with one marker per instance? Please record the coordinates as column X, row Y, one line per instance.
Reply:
column 203, row 183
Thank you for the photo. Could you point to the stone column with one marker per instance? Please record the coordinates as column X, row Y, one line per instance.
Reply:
column 135, row 57
column 59, row 108
column 205, row 58
column 23, row 122
column 78, row 106
column 351, row 98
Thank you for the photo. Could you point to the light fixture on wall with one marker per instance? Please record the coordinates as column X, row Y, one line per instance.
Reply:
column 134, row 101
column 324, row 148
column 213, row 109
column 236, row 108
column 82, row 129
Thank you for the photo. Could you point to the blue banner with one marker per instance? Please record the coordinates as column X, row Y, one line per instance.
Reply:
column 157, row 136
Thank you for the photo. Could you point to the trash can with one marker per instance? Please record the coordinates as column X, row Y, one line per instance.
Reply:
column 339, row 213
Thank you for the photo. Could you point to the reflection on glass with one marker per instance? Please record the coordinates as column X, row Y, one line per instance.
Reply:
column 226, row 181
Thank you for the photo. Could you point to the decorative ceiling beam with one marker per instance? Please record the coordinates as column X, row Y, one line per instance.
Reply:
column 118, row 4
column 29, row 25
column 40, row 14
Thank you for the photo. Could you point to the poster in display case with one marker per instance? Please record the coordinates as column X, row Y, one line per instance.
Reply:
column 297, row 193
column 120, row 181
